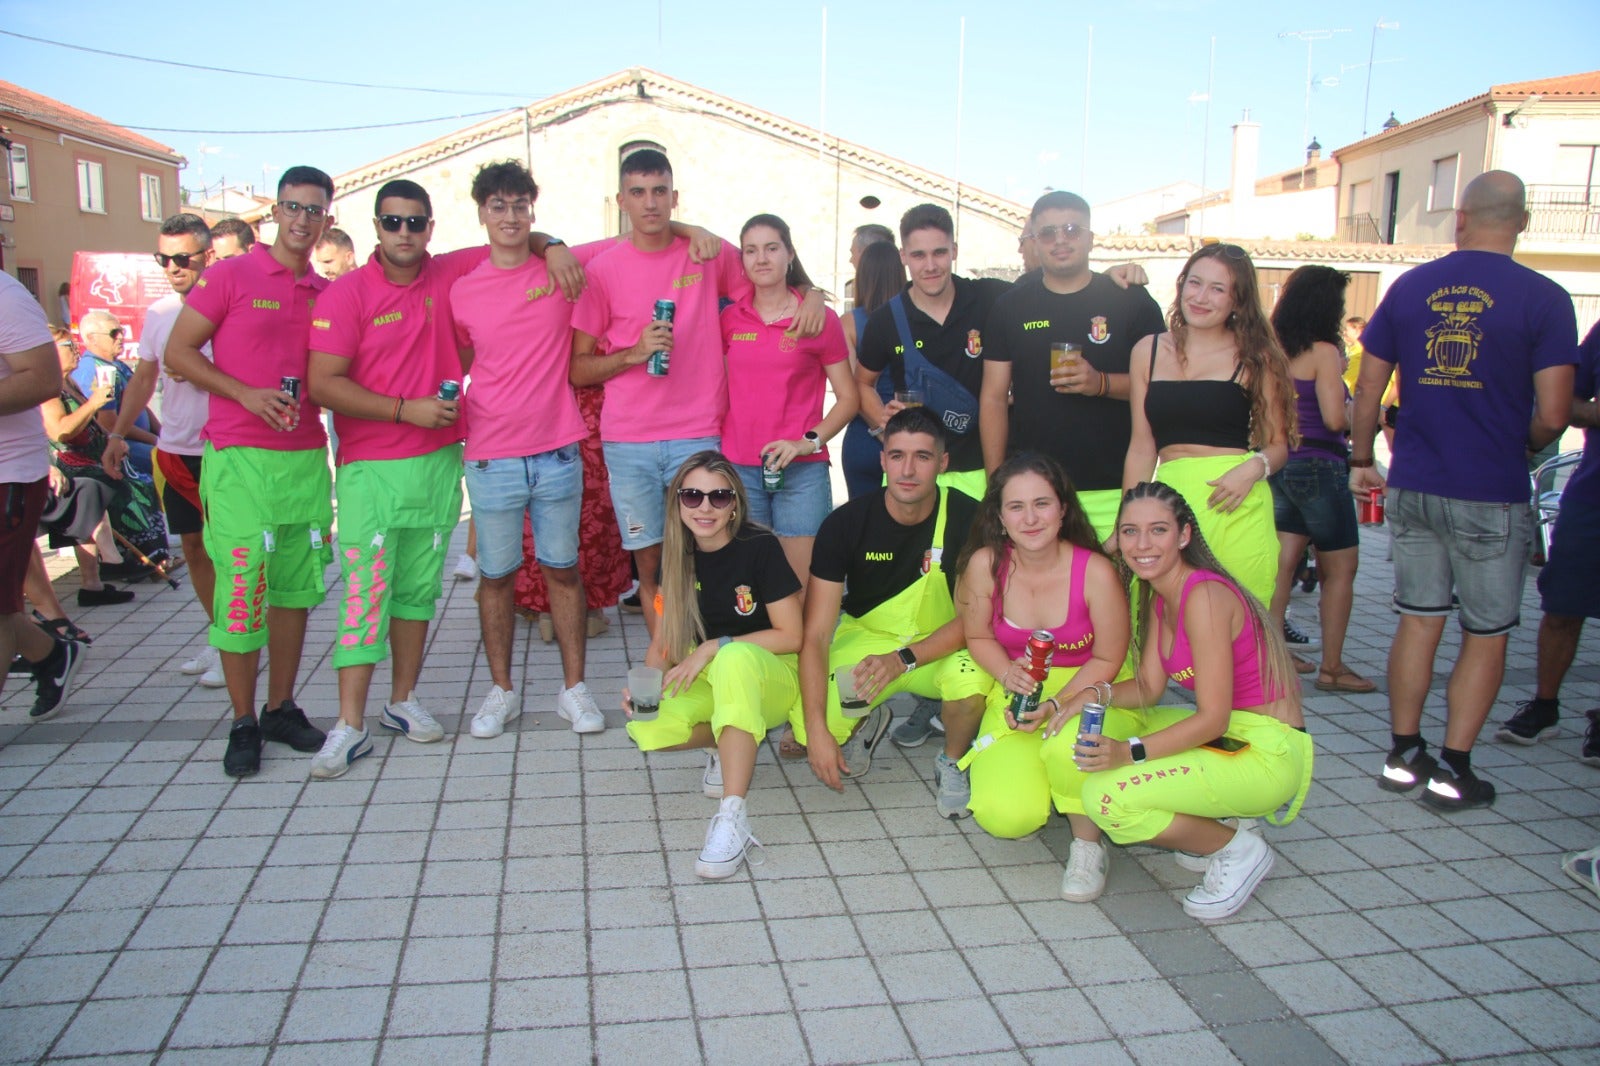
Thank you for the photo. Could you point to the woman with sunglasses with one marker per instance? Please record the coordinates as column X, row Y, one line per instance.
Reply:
column 1240, row 752
column 726, row 643
column 1212, row 405
column 774, row 431
column 1033, row 563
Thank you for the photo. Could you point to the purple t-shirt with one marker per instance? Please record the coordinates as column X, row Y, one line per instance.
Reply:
column 1583, row 488
column 1467, row 333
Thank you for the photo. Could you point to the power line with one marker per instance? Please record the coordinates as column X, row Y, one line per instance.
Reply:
column 260, row 74
column 25, row 113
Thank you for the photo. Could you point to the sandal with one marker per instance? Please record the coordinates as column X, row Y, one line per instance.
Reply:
column 790, row 748
column 1343, row 679
column 1302, row 666
column 63, row 628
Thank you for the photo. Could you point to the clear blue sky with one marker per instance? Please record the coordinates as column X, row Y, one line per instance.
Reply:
column 891, row 73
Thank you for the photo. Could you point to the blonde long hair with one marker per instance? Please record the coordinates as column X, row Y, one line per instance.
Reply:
column 1260, row 354
column 682, row 628
column 1277, row 671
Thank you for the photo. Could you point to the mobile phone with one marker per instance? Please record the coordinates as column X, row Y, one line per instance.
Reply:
column 1227, row 745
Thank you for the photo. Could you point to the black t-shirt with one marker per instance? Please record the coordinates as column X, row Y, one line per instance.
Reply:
column 737, row 581
column 876, row 558
column 1087, row 435
column 956, row 347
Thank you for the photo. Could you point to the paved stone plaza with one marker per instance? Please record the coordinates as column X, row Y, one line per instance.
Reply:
column 532, row 899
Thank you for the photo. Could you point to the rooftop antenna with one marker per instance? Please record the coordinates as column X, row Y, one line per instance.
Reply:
column 1366, row 99
column 1311, row 37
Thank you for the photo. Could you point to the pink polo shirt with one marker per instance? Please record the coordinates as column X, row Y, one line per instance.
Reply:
column 624, row 285
column 24, row 449
column 262, row 313
column 400, row 341
column 519, row 326
column 776, row 383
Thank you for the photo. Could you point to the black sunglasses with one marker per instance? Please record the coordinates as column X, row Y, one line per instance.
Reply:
column 392, row 223
column 183, row 259
column 721, row 499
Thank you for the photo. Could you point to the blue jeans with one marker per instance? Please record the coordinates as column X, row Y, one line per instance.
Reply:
column 1311, row 498
column 640, row 474
column 797, row 509
column 548, row 487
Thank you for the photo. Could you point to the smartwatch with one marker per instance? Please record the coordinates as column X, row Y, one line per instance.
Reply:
column 553, row 241
column 907, row 659
column 816, row 440
column 1136, row 749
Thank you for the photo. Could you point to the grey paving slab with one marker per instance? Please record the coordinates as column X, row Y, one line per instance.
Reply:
column 533, row 898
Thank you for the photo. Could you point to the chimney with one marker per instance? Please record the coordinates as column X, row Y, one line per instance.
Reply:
column 1246, row 154
column 1313, row 151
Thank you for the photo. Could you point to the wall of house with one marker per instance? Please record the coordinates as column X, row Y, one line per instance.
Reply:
column 1412, row 153
column 50, row 227
column 724, row 172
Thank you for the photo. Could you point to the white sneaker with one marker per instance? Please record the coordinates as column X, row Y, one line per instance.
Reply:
column 207, row 658
column 466, row 568
column 1085, row 876
column 1195, row 862
column 728, row 839
column 345, row 744
column 578, row 707
column 1232, row 876
column 711, row 780
column 409, row 719
column 499, row 707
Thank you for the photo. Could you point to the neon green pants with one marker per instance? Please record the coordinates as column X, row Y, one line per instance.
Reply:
column 745, row 687
column 1100, row 506
column 1244, row 540
column 1136, row 803
column 955, row 677
column 1016, row 775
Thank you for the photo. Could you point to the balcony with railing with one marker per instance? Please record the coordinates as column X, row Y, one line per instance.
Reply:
column 1359, row 229
column 1563, row 213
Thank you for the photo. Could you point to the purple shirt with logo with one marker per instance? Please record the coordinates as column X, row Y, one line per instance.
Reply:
column 1467, row 333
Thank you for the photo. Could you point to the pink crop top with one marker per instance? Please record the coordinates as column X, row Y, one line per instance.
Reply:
column 1248, row 690
column 1074, row 637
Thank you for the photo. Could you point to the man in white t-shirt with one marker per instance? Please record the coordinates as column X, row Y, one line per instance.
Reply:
column 183, row 249
column 29, row 375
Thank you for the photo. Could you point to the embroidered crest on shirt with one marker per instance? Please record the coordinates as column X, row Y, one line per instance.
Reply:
column 786, row 342
column 974, row 344
column 1099, row 332
column 744, row 601
column 1453, row 340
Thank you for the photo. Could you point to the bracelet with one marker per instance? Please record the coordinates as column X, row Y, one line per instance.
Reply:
column 1055, row 704
column 1265, row 463
column 1105, row 383
column 1360, row 464
column 399, row 403
column 117, row 436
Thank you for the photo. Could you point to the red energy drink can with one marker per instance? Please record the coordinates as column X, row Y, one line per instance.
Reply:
column 1369, row 508
column 291, row 385
column 1040, row 648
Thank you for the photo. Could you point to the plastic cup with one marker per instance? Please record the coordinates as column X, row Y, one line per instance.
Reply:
column 910, row 397
column 845, row 678
column 1064, row 355
column 644, row 686
column 105, row 377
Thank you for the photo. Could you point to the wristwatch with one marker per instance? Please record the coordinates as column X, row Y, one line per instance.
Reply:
column 1136, row 749
column 907, row 659
column 553, row 241
column 815, row 439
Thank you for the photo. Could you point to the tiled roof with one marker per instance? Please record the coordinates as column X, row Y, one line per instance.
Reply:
column 1580, row 86
column 1306, row 251
column 32, row 107
column 640, row 83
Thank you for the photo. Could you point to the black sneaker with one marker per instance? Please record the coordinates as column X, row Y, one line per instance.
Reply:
column 1297, row 640
column 1591, row 739
column 54, row 676
column 287, row 724
column 106, row 596
column 1402, row 775
column 630, row 603
column 1447, row 792
column 20, row 667
column 243, row 757
column 1532, row 719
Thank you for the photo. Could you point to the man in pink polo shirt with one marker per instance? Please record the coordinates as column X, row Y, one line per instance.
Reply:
column 382, row 342
column 264, row 480
column 522, row 456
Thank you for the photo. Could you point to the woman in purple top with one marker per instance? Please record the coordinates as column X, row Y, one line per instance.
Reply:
column 1311, row 494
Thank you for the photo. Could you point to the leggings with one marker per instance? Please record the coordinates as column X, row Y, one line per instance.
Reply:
column 1136, row 803
column 745, row 686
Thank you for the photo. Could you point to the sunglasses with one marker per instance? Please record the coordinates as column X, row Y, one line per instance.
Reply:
column 721, row 499
column 1048, row 234
column 413, row 223
column 1233, row 251
column 112, row 333
column 182, row 259
column 294, row 208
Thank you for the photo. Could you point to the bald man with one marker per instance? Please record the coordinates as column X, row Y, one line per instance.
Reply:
column 1479, row 343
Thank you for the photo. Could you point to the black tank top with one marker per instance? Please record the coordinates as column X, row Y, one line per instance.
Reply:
column 1212, row 414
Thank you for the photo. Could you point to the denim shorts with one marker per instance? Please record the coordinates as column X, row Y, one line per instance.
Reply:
column 1311, row 498
column 640, row 474
column 548, row 487
column 1480, row 549
column 1569, row 584
column 797, row 509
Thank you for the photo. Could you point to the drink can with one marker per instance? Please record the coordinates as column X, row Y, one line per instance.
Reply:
column 449, row 390
column 1369, row 507
column 1041, row 646
column 660, row 362
column 291, row 385
column 771, row 478
column 1093, row 719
